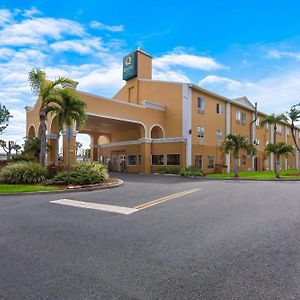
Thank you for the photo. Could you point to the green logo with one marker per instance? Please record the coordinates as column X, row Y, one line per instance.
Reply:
column 129, row 66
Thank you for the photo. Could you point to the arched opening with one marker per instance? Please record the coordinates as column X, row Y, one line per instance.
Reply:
column 103, row 139
column 83, row 147
column 31, row 132
column 157, row 132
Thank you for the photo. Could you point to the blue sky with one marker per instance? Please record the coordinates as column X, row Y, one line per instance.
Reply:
column 233, row 48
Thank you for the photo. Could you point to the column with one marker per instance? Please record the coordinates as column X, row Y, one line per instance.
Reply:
column 146, row 156
column 271, row 127
column 72, row 150
column 52, row 156
column 228, row 130
column 285, row 140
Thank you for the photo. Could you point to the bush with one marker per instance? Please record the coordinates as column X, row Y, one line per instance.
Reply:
column 81, row 173
column 191, row 171
column 169, row 170
column 22, row 157
column 23, row 172
column 54, row 168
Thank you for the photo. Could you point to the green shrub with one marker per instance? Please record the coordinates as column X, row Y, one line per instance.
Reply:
column 23, row 172
column 168, row 170
column 191, row 171
column 22, row 157
column 81, row 173
column 54, row 168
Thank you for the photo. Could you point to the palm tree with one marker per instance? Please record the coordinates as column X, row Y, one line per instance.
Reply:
column 279, row 149
column 235, row 143
column 69, row 109
column 273, row 120
column 45, row 89
column 293, row 116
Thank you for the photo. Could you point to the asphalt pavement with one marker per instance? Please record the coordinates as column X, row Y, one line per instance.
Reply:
column 223, row 240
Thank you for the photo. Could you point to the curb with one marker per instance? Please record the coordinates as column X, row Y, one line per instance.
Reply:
column 72, row 190
column 230, row 179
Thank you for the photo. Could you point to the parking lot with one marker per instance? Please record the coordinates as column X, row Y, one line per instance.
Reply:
column 181, row 239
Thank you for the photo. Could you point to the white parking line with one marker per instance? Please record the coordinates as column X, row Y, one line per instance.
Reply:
column 104, row 207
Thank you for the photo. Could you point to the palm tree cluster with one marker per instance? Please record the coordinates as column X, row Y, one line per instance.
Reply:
column 56, row 97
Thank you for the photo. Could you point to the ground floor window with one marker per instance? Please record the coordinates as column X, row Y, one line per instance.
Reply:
column 211, row 162
column 104, row 159
column 132, row 160
column 244, row 160
column 199, row 161
column 158, row 160
column 173, row 159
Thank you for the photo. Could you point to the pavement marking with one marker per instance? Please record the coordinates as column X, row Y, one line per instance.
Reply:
column 104, row 207
column 164, row 199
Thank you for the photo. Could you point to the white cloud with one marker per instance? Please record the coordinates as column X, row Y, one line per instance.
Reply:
column 112, row 28
column 6, row 16
column 36, row 31
column 83, row 46
column 33, row 11
column 175, row 76
column 277, row 54
column 212, row 80
column 182, row 59
column 275, row 93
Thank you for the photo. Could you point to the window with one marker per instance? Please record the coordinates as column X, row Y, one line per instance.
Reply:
column 238, row 116
column 198, row 161
column 219, row 134
column 279, row 129
column 201, row 132
column 243, row 118
column 244, row 160
column 257, row 122
column 219, row 108
column 201, row 104
column 132, row 160
column 267, row 126
column 173, row 159
column 257, row 142
column 158, row 160
column 211, row 162
column 287, row 131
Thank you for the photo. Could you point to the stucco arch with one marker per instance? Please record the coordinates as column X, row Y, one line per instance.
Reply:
column 31, row 132
column 157, row 132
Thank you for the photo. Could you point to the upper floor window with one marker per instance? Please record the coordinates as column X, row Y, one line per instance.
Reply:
column 201, row 132
column 267, row 126
column 257, row 122
column 238, row 116
column 243, row 118
column 279, row 128
column 219, row 108
column 219, row 134
column 201, row 104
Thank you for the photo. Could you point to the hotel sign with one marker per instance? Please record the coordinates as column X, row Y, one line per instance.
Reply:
column 130, row 66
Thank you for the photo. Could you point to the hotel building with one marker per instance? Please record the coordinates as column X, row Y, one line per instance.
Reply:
column 149, row 124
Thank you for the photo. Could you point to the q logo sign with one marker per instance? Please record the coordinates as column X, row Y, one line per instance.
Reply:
column 128, row 61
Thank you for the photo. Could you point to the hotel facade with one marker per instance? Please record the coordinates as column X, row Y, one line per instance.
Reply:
column 150, row 124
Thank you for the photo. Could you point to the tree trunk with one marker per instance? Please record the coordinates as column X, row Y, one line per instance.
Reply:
column 43, row 136
column 275, row 131
column 294, row 138
column 277, row 166
column 236, row 167
column 68, row 149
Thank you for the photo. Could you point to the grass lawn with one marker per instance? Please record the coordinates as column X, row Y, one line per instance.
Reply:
column 20, row 188
column 260, row 175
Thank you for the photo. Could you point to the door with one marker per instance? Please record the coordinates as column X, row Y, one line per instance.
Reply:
column 122, row 163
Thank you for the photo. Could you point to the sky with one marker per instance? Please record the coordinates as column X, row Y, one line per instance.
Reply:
column 233, row 48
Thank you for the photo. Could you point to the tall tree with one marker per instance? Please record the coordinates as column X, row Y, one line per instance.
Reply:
column 69, row 110
column 279, row 149
column 236, row 143
column 273, row 120
column 293, row 116
column 45, row 89
column 4, row 117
